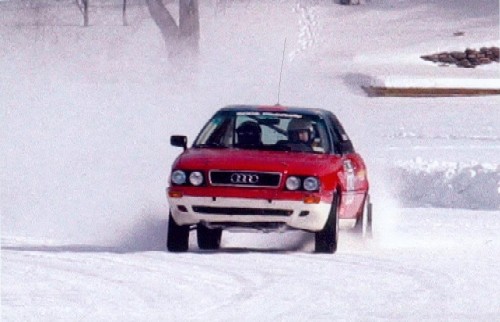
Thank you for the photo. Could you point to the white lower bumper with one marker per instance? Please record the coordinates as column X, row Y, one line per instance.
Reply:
column 295, row 214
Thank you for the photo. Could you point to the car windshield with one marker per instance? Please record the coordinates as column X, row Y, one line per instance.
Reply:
column 279, row 131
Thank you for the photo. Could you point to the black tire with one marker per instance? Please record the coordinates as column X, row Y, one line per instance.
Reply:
column 327, row 239
column 369, row 220
column 208, row 239
column 363, row 226
column 177, row 236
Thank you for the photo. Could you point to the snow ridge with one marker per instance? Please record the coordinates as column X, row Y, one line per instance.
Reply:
column 447, row 184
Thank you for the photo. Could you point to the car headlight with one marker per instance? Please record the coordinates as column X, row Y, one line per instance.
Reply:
column 178, row 177
column 196, row 178
column 293, row 183
column 311, row 184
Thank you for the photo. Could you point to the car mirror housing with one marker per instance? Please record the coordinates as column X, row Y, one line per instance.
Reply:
column 179, row 141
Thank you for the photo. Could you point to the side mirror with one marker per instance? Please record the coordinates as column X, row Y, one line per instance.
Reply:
column 179, row 141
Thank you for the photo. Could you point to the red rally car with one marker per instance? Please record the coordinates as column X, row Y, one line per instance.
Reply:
column 267, row 168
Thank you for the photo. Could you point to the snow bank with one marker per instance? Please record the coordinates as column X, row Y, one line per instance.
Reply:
column 447, row 184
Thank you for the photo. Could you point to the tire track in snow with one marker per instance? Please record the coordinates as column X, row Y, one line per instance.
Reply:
column 82, row 280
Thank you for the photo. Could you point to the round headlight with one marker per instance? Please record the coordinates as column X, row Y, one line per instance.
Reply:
column 311, row 184
column 292, row 183
column 196, row 178
column 178, row 177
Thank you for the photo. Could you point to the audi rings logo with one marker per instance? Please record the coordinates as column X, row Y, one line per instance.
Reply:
column 244, row 178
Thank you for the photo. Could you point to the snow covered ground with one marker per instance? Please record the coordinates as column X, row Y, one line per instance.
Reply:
column 86, row 115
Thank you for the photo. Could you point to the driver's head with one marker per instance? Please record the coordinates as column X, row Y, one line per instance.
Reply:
column 300, row 131
column 249, row 133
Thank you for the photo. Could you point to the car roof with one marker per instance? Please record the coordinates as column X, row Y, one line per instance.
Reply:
column 275, row 108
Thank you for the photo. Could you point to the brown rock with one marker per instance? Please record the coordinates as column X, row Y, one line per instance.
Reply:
column 448, row 59
column 432, row 58
column 464, row 63
column 458, row 55
column 474, row 61
column 496, row 51
column 484, row 61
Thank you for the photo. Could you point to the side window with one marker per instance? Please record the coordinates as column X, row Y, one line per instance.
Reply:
column 341, row 141
column 217, row 132
column 320, row 143
column 221, row 135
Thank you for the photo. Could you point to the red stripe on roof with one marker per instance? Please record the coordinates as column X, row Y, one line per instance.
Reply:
column 276, row 107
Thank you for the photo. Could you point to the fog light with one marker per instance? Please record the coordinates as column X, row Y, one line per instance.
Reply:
column 175, row 194
column 312, row 199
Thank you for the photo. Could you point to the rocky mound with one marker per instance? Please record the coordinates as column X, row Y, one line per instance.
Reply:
column 469, row 58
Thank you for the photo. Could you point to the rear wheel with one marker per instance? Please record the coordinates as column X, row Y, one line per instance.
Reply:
column 177, row 236
column 327, row 239
column 363, row 224
column 208, row 239
column 369, row 226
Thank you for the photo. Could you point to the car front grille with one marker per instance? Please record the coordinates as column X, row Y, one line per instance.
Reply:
column 242, row 211
column 245, row 178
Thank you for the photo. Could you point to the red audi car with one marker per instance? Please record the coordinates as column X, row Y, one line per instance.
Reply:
column 267, row 168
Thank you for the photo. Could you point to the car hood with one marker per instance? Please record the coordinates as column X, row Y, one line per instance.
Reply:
column 252, row 160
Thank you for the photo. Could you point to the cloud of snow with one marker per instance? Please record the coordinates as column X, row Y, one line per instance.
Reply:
column 87, row 114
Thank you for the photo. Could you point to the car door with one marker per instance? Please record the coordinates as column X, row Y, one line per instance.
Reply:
column 352, row 178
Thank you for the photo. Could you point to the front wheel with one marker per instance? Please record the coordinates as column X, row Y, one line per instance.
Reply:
column 177, row 236
column 327, row 239
column 208, row 239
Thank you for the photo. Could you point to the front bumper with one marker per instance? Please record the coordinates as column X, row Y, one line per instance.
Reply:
column 189, row 210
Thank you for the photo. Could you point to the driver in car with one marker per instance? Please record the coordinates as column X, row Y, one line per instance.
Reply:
column 249, row 135
column 301, row 134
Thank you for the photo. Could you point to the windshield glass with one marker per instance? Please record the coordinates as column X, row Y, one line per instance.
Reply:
column 280, row 131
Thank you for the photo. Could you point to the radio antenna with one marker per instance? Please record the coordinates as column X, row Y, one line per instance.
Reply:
column 281, row 72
